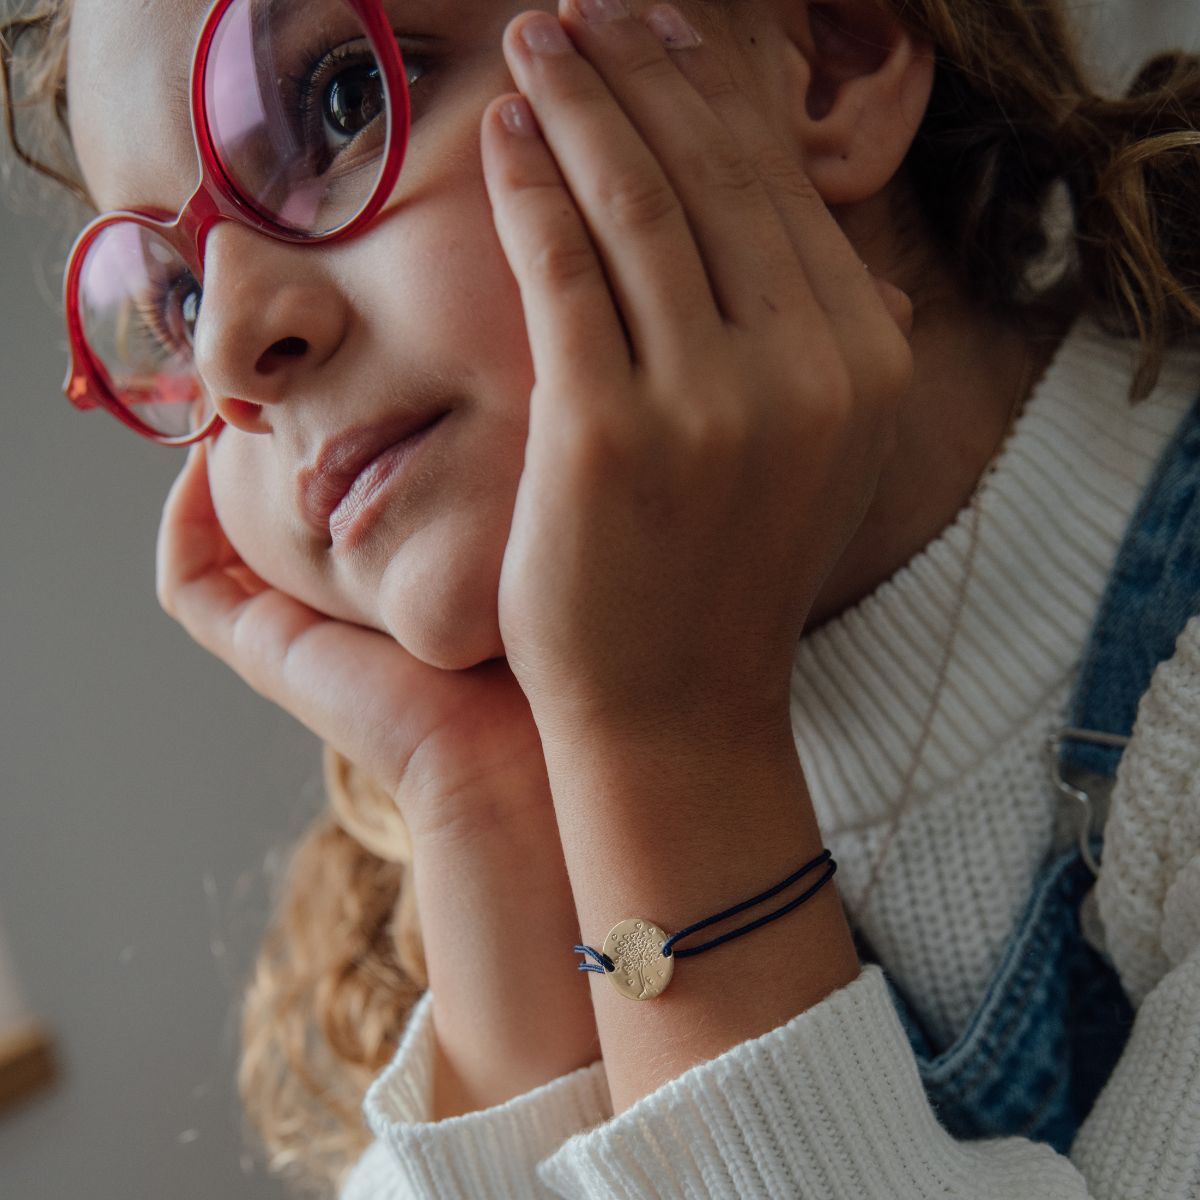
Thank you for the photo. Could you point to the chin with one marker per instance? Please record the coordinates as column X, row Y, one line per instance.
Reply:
column 444, row 612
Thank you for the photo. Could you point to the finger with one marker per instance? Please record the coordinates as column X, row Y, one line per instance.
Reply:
column 898, row 303
column 862, row 315
column 201, row 580
column 190, row 539
column 349, row 685
column 222, row 604
column 742, row 242
column 632, row 211
column 570, row 314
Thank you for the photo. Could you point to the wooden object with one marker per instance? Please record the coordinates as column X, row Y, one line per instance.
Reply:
column 27, row 1063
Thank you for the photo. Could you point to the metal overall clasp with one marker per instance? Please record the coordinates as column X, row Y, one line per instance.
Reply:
column 1053, row 749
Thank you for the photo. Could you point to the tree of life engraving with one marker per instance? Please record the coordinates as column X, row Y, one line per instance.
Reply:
column 640, row 958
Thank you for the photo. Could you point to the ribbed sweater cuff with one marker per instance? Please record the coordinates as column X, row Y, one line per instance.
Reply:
column 492, row 1152
column 1142, row 1138
column 830, row 1104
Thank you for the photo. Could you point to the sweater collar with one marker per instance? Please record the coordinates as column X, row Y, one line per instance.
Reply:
column 1052, row 516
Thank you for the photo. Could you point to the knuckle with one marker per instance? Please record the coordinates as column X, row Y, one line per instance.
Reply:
column 712, row 429
column 636, row 203
column 884, row 373
column 241, row 640
column 782, row 174
column 249, row 653
column 648, row 66
column 723, row 167
column 720, row 87
column 518, row 175
column 560, row 263
column 295, row 645
column 895, row 367
column 832, row 409
column 597, row 449
column 577, row 88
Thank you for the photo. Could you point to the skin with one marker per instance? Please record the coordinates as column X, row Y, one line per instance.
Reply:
column 572, row 460
column 429, row 574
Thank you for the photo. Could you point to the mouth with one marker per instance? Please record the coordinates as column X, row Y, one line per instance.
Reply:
column 351, row 469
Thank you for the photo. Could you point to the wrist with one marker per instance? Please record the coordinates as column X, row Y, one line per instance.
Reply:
column 726, row 738
column 670, row 823
column 674, row 832
column 674, row 778
column 501, row 807
column 510, row 1011
column 683, row 720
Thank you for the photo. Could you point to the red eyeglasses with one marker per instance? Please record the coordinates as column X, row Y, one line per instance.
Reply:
column 300, row 114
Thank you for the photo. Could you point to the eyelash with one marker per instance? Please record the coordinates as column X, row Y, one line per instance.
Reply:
column 339, row 54
column 151, row 313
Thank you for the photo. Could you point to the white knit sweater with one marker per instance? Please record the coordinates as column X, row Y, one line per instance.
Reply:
column 830, row 1104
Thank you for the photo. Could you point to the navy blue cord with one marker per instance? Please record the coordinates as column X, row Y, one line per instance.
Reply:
column 607, row 964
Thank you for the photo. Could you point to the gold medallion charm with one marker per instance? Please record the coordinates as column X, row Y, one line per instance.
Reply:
column 642, row 971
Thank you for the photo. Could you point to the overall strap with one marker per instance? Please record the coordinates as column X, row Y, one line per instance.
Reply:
column 1152, row 592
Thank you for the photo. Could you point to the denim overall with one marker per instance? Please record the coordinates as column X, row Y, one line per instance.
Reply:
column 1054, row 1018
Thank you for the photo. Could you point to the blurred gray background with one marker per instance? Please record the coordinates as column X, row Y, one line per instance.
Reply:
column 146, row 791
column 143, row 787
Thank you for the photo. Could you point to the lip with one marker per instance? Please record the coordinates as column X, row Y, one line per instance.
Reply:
column 355, row 458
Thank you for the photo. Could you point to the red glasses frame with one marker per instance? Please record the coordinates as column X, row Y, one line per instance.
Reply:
column 217, row 198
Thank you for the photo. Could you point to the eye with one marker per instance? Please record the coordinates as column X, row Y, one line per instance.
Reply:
column 342, row 95
column 184, row 309
column 353, row 99
column 169, row 314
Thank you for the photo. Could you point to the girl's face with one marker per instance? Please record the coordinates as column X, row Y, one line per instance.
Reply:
column 302, row 344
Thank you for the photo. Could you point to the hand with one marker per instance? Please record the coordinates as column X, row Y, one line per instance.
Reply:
column 458, row 750
column 716, row 379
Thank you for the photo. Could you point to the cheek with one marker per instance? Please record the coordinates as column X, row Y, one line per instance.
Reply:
column 432, row 275
column 242, row 507
column 451, row 312
column 436, row 308
column 435, row 290
column 248, row 500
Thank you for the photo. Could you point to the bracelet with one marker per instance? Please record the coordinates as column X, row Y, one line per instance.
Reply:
column 639, row 958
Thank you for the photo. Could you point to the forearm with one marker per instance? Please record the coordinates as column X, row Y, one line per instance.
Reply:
column 675, row 834
column 510, row 1010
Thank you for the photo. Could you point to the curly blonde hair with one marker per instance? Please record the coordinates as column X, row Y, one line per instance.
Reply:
column 339, row 971
column 1012, row 119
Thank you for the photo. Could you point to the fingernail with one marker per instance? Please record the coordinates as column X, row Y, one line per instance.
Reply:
column 667, row 23
column 518, row 117
column 597, row 11
column 544, row 35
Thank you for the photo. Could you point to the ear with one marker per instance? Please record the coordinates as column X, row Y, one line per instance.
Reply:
column 859, row 84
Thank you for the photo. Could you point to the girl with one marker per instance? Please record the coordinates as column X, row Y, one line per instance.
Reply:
column 627, row 542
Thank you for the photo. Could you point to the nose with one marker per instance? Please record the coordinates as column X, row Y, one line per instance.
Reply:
column 269, row 318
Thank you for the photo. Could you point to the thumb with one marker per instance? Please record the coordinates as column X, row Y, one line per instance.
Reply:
column 898, row 303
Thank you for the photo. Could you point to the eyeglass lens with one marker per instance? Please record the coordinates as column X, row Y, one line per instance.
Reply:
column 138, row 303
column 298, row 112
column 294, row 97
